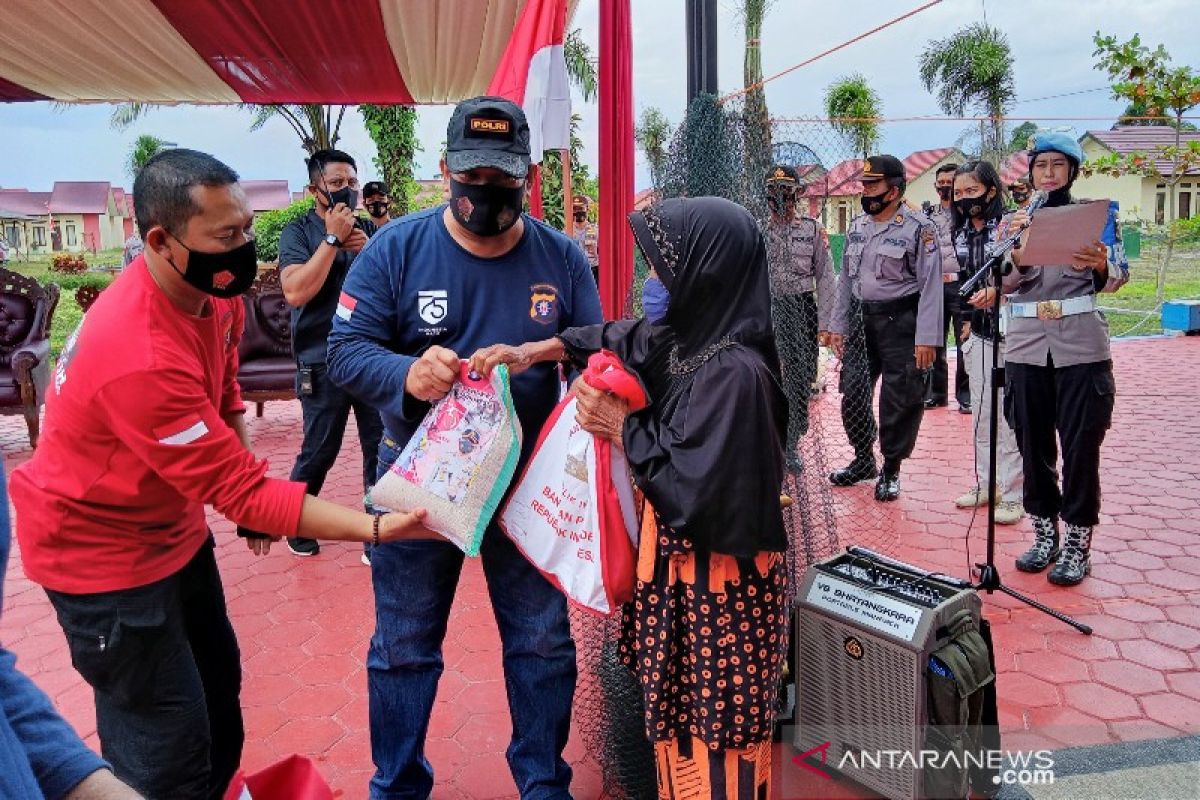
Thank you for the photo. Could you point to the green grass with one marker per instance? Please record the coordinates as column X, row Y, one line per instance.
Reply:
column 68, row 313
column 1128, row 308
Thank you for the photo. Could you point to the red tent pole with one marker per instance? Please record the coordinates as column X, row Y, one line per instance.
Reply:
column 535, row 194
column 616, row 155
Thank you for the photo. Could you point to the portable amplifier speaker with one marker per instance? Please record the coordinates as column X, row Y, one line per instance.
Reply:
column 866, row 626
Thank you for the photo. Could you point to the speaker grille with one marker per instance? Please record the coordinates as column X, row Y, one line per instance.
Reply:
column 870, row 704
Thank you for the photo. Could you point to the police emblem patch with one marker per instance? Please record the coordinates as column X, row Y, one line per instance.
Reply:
column 543, row 303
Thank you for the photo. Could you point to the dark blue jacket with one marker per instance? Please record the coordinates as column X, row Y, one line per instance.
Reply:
column 40, row 755
column 413, row 286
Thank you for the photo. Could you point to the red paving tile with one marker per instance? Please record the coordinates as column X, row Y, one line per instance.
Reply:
column 304, row 625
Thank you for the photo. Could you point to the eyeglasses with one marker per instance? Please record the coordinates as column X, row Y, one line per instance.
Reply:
column 333, row 184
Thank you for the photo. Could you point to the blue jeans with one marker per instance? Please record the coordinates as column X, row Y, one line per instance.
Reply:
column 414, row 588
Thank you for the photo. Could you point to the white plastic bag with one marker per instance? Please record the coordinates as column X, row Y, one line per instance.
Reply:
column 573, row 513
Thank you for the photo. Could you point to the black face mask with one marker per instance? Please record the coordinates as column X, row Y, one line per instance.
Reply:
column 226, row 274
column 486, row 209
column 1020, row 197
column 778, row 202
column 970, row 207
column 346, row 196
column 945, row 192
column 874, row 204
column 377, row 209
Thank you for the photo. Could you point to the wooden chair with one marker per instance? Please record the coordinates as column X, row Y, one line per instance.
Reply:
column 266, row 369
column 26, row 309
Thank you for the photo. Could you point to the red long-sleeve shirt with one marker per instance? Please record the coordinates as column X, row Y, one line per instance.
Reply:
column 135, row 445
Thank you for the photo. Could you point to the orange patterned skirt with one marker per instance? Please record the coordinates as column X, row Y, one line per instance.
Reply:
column 706, row 634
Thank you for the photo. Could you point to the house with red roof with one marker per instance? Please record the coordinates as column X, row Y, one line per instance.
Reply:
column 920, row 169
column 267, row 195
column 1141, row 198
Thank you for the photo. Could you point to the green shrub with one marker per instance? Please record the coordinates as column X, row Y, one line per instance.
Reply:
column 1188, row 229
column 269, row 224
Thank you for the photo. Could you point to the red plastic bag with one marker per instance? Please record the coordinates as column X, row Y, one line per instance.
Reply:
column 572, row 512
column 294, row 778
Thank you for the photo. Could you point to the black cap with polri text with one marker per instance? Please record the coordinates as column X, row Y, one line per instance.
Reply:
column 488, row 132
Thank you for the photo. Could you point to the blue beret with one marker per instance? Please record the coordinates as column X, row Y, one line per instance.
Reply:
column 1055, row 141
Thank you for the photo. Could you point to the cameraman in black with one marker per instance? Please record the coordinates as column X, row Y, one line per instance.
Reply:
column 315, row 255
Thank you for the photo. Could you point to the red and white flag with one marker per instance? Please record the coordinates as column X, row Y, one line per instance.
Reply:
column 345, row 306
column 533, row 74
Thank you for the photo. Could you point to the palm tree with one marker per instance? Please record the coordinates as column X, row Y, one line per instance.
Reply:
column 758, row 121
column 972, row 69
column 653, row 133
column 145, row 147
column 853, row 110
column 316, row 125
column 581, row 65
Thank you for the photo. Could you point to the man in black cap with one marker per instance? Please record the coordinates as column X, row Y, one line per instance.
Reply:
column 315, row 255
column 436, row 287
column 802, row 288
column 893, row 266
column 376, row 201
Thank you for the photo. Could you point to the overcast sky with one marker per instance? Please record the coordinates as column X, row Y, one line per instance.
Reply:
column 1051, row 43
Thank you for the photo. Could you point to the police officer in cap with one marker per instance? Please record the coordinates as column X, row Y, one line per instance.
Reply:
column 802, row 290
column 893, row 266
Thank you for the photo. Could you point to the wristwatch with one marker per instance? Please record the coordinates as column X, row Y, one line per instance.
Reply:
column 332, row 240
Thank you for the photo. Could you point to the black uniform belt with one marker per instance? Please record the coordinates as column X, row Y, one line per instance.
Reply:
column 908, row 303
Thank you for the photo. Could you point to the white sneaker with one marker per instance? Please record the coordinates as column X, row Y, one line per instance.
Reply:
column 1009, row 512
column 973, row 498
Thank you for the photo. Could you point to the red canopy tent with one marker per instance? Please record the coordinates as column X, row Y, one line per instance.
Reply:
column 322, row 51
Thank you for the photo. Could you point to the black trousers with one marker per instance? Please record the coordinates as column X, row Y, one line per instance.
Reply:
column 890, row 341
column 954, row 313
column 326, row 411
column 1076, row 403
column 164, row 666
column 856, row 386
column 795, row 319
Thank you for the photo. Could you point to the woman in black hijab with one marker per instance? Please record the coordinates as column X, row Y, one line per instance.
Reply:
column 706, row 632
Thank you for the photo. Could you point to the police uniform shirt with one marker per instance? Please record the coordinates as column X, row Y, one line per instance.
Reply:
column 1073, row 339
column 799, row 262
column 943, row 220
column 587, row 236
column 891, row 260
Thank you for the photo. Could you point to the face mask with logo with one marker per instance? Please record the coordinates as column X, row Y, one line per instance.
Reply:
column 1020, row 197
column 377, row 209
column 945, row 192
column 655, row 299
column 225, row 274
column 486, row 209
column 874, row 204
column 971, row 207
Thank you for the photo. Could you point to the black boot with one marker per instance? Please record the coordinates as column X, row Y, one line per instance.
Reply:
column 887, row 488
column 1076, row 560
column 1045, row 546
column 860, row 469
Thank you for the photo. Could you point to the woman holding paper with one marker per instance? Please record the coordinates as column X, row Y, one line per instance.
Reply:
column 707, row 631
column 1059, row 372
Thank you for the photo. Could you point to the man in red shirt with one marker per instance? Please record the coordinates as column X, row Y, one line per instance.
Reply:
column 144, row 427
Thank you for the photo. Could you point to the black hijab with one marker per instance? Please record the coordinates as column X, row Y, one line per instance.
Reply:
column 708, row 450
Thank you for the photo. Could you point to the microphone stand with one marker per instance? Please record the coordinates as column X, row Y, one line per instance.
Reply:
column 989, row 575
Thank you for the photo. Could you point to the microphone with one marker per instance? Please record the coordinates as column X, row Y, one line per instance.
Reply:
column 1039, row 199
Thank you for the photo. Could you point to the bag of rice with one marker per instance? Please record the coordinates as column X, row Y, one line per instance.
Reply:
column 460, row 461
